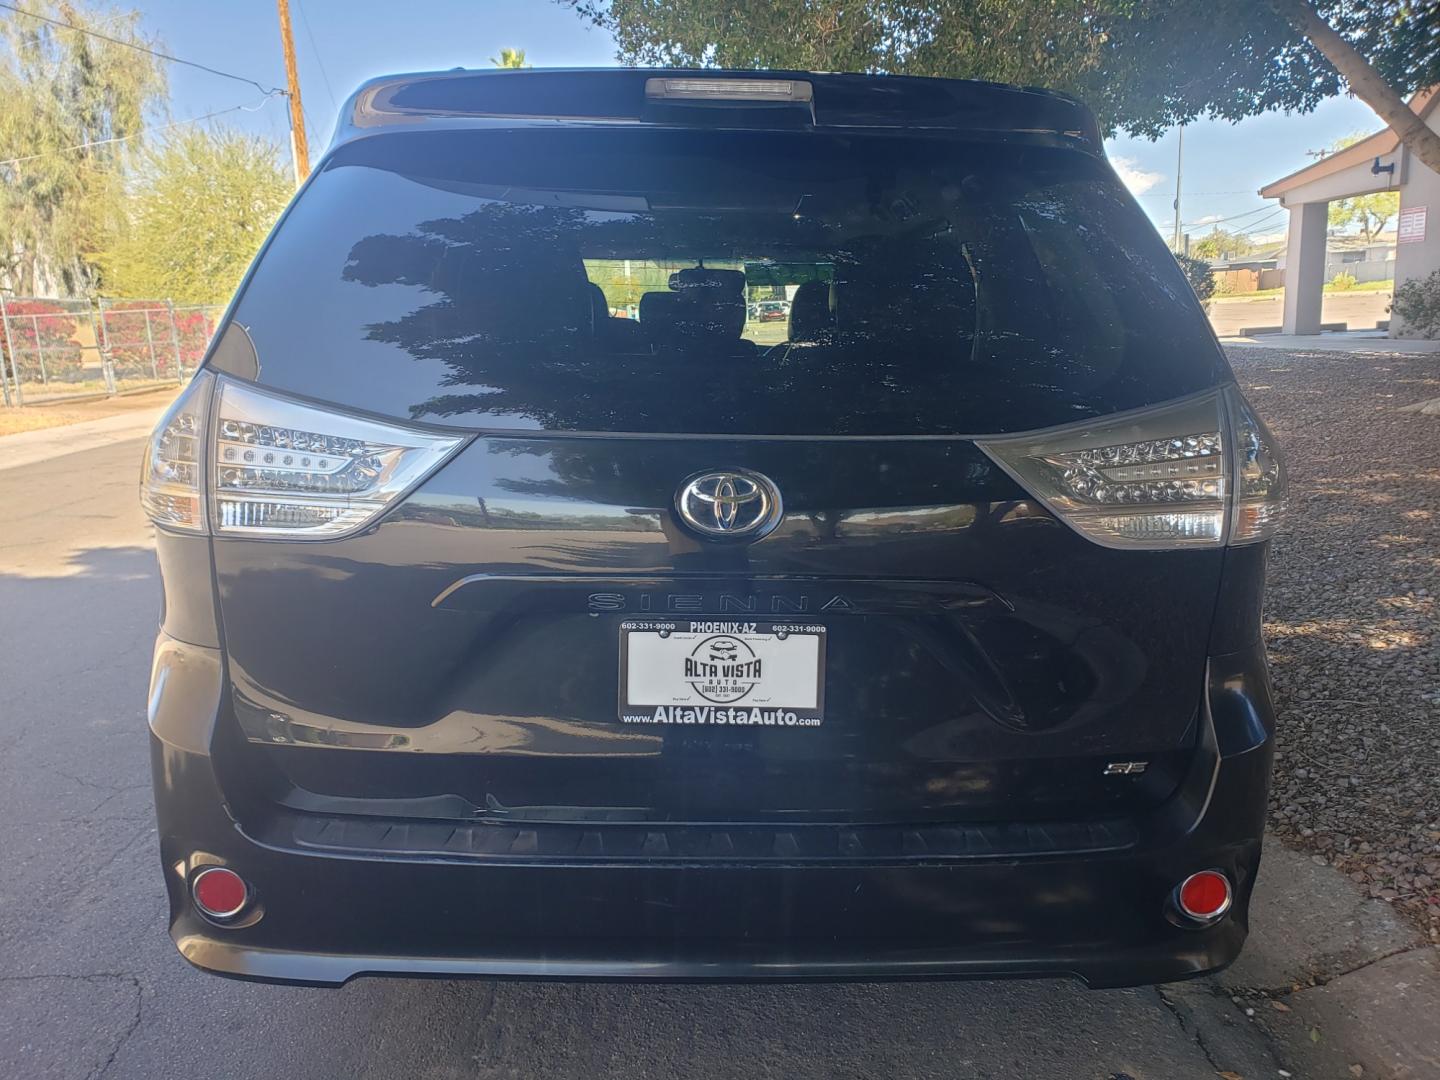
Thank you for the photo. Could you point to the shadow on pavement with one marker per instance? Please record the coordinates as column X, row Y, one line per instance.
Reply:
column 90, row 984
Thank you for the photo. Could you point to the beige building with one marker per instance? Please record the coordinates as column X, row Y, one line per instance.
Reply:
column 1379, row 163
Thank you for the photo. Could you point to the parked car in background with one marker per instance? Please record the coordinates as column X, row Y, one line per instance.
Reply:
column 503, row 636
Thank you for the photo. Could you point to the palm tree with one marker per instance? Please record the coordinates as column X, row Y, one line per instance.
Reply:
column 510, row 58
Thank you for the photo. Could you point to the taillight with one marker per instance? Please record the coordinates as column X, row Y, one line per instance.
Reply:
column 286, row 469
column 1259, row 486
column 1200, row 472
column 172, row 482
column 274, row 467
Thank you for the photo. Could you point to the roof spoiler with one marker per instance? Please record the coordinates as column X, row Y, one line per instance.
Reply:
column 709, row 97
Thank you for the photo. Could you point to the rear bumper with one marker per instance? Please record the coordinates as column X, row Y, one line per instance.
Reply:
column 342, row 923
column 322, row 917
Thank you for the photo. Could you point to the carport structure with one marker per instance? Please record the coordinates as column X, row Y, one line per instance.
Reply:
column 1377, row 163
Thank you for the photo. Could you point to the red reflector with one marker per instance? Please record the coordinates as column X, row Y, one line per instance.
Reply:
column 219, row 893
column 1205, row 895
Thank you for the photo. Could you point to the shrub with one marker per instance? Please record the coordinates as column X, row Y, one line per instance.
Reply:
column 1343, row 281
column 1200, row 276
column 1417, row 301
column 41, row 329
column 132, row 350
column 193, row 328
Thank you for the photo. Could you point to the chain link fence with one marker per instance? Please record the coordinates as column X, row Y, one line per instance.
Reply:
column 53, row 350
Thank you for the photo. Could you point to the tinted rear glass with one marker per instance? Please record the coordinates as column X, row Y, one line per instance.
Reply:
column 649, row 280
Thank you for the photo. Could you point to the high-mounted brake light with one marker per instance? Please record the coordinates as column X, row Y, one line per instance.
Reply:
column 786, row 90
column 1200, row 472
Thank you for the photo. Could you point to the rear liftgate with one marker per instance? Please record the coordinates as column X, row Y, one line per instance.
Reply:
column 785, row 631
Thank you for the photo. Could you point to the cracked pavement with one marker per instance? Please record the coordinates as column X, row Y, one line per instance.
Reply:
column 90, row 985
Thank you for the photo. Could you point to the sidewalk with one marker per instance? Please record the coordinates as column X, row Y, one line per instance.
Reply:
column 1338, row 984
column 27, row 447
column 68, row 411
column 1349, row 341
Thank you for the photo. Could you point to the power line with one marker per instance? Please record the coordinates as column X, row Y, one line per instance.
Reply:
column 1256, row 226
column 141, row 48
column 314, row 48
column 1262, row 223
column 134, row 134
column 1232, row 217
column 1260, row 226
column 1167, row 194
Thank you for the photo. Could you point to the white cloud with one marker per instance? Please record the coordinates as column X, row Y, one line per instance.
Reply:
column 1135, row 178
column 1208, row 218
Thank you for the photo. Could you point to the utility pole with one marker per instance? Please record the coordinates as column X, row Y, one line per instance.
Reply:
column 299, row 149
column 1179, row 167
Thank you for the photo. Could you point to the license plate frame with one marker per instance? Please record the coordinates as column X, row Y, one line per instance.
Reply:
column 731, row 678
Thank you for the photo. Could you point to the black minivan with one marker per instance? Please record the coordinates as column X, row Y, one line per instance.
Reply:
column 534, row 607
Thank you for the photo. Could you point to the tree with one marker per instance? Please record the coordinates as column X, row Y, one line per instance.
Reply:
column 1200, row 276
column 1142, row 66
column 201, row 205
column 1221, row 243
column 510, row 58
column 1371, row 212
column 75, row 108
column 1365, row 79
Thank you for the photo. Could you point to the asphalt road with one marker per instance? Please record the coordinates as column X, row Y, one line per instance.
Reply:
column 1359, row 310
column 90, row 985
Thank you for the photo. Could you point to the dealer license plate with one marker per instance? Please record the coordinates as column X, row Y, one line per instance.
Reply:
column 713, row 671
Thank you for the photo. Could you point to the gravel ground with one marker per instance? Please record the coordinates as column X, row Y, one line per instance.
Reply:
column 1351, row 616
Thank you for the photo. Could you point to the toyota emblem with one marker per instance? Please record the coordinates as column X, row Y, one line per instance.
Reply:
column 731, row 505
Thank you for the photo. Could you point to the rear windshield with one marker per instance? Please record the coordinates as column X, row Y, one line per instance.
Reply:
column 651, row 280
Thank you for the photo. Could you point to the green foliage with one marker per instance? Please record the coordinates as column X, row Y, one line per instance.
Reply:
column 1142, row 66
column 624, row 282
column 1417, row 301
column 1220, row 243
column 202, row 204
column 65, row 95
column 510, row 58
column 1200, row 276
column 1371, row 213
column 1342, row 282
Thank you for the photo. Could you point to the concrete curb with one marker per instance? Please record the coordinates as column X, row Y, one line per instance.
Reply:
column 1337, row 982
column 1368, row 342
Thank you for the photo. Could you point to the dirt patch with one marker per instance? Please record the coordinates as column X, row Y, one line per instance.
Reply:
column 38, row 417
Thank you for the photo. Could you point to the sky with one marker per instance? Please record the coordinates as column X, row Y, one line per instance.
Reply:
column 341, row 43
